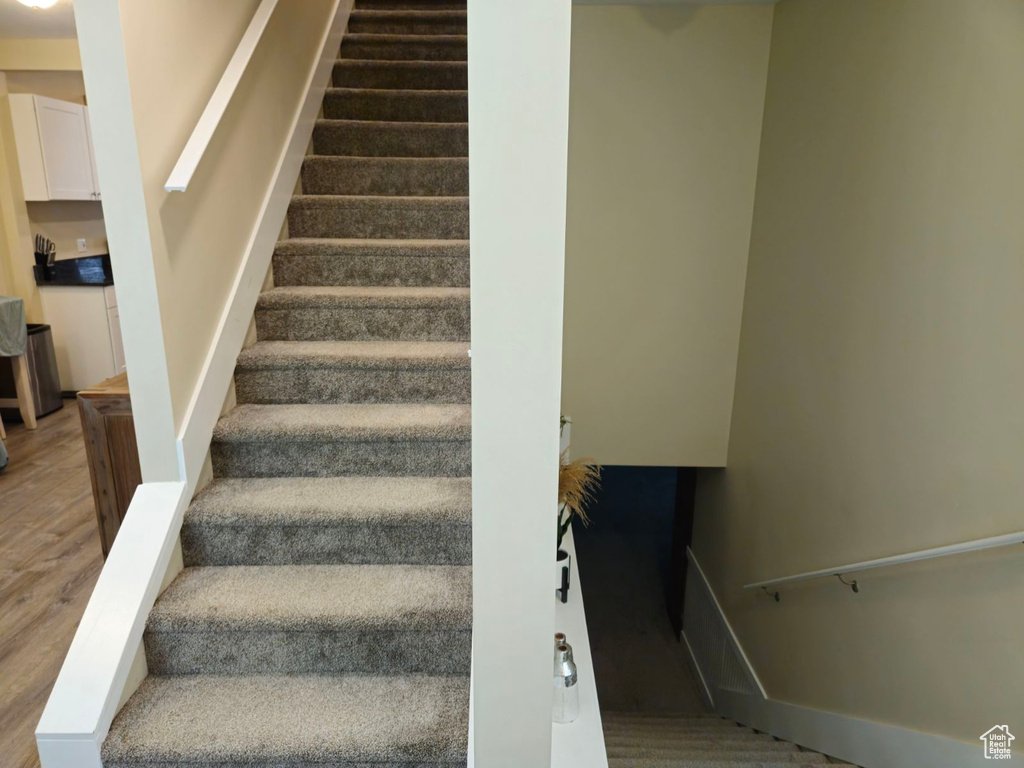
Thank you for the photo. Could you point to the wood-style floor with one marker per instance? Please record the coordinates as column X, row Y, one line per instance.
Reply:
column 49, row 561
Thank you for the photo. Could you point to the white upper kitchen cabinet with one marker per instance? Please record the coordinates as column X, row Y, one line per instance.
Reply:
column 92, row 155
column 54, row 148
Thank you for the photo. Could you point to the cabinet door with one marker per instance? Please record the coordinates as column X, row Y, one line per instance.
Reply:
column 65, row 142
column 92, row 156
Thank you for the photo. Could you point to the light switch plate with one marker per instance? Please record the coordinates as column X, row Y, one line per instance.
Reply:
column 81, row 245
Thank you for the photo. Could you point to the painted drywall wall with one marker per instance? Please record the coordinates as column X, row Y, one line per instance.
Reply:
column 665, row 125
column 176, row 53
column 64, row 85
column 149, row 70
column 41, row 54
column 518, row 116
column 881, row 363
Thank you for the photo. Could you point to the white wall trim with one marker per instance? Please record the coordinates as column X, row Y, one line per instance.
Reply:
column 204, row 408
column 112, row 121
column 89, row 688
column 861, row 742
column 518, row 139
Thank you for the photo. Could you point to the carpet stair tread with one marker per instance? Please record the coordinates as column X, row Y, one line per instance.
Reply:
column 672, row 727
column 360, row 296
column 722, row 752
column 317, row 501
column 353, row 372
column 377, row 176
column 384, row 138
column 268, row 721
column 375, row 217
column 703, row 762
column 408, row 21
column 363, row 313
column 315, row 597
column 411, row 4
column 311, row 520
column 406, row 75
column 344, row 422
column 356, row 263
column 397, row 105
column 738, row 741
column 404, row 47
column 355, row 354
column 661, row 740
column 414, row 263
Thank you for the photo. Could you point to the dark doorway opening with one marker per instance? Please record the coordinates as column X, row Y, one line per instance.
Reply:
column 632, row 566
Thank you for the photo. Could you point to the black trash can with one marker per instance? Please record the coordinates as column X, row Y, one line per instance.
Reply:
column 43, row 378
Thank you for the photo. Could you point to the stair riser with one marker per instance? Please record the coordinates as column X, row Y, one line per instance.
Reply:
column 299, row 458
column 352, row 385
column 396, row 177
column 327, row 651
column 702, row 761
column 617, row 727
column 436, row 76
column 424, row 271
column 425, row 49
column 274, row 763
column 399, row 106
column 655, row 747
column 363, row 324
column 402, row 24
column 376, row 139
column 721, row 752
column 412, row 5
column 429, row 219
column 323, row 544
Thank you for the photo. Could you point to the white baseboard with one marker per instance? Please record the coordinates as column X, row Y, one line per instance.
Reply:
column 855, row 740
column 861, row 742
column 219, row 367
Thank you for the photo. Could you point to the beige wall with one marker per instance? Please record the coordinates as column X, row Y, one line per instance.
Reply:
column 176, row 52
column 878, row 395
column 43, row 54
column 665, row 123
column 68, row 86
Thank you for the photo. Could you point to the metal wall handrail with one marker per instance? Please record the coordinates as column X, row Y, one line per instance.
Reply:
column 882, row 562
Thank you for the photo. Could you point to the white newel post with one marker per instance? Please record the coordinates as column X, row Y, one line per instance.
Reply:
column 519, row 111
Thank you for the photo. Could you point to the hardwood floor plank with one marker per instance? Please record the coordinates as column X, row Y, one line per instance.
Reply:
column 50, row 559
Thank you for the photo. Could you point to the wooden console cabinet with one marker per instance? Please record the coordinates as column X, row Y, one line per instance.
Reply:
column 109, row 431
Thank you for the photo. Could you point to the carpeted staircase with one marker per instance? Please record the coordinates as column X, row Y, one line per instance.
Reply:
column 324, row 614
column 652, row 740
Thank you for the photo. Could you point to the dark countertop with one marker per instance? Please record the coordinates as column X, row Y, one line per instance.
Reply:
column 85, row 270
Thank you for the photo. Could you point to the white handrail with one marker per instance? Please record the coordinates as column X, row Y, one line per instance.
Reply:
column 202, row 134
column 911, row 557
column 90, row 685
